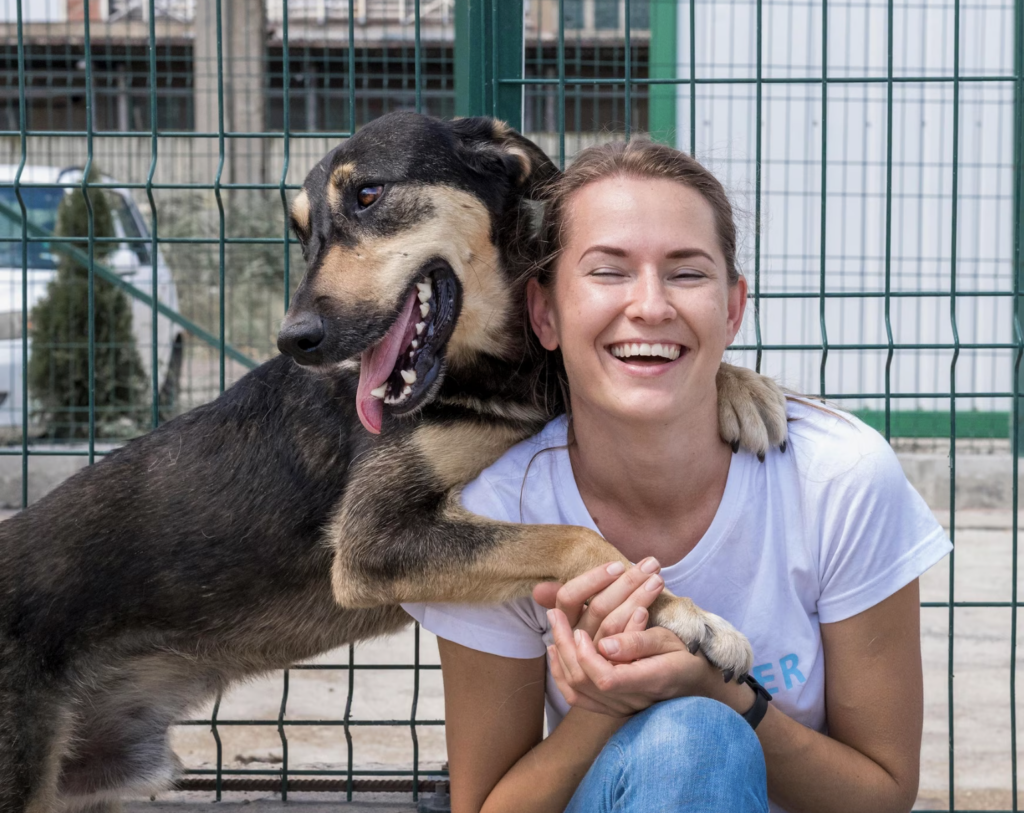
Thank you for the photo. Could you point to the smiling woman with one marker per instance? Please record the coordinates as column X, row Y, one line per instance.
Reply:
column 814, row 553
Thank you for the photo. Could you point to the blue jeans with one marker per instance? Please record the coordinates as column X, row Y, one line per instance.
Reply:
column 690, row 754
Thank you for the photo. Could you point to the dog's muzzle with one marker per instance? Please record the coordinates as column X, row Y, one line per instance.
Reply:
column 302, row 337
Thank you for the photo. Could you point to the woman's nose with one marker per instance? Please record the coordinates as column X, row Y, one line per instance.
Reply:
column 648, row 302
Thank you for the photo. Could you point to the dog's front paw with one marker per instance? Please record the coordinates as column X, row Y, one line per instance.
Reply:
column 751, row 410
column 724, row 646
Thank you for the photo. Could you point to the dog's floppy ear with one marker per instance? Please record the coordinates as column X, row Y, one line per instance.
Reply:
column 491, row 146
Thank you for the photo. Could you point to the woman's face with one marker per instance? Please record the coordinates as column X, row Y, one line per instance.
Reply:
column 641, row 306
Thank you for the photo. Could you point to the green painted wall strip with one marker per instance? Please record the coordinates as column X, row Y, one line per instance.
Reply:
column 915, row 424
column 663, row 49
column 489, row 59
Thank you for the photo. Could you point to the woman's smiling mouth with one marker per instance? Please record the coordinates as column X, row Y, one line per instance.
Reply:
column 646, row 353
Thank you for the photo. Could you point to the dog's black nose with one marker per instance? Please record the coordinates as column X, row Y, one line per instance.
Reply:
column 301, row 338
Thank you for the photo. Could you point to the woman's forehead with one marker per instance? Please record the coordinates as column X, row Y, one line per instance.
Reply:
column 639, row 209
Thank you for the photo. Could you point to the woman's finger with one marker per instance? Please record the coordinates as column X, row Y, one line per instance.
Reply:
column 618, row 619
column 545, row 592
column 614, row 598
column 572, row 697
column 558, row 673
column 601, row 682
column 638, row 621
column 573, row 595
column 565, row 645
column 578, row 699
column 636, row 644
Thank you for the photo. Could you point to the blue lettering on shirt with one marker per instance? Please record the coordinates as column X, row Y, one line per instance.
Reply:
column 789, row 670
column 765, row 673
column 764, row 677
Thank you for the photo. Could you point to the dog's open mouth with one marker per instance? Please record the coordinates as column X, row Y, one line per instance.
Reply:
column 399, row 370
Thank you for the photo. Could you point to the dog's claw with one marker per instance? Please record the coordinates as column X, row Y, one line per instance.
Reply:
column 783, row 446
column 735, row 446
column 760, row 457
column 694, row 647
column 742, row 679
column 727, row 674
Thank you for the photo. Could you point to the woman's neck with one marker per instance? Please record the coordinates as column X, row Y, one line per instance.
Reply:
column 651, row 489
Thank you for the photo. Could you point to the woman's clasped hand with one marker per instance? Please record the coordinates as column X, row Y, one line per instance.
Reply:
column 604, row 657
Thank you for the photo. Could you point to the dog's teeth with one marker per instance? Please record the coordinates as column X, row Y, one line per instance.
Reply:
column 380, row 391
column 420, row 327
column 409, row 376
column 424, row 309
column 425, row 292
column 406, row 390
column 415, row 344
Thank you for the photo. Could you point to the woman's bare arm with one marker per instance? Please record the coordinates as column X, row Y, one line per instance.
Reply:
column 494, row 715
column 874, row 699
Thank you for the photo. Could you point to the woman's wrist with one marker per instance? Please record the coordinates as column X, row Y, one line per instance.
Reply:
column 737, row 696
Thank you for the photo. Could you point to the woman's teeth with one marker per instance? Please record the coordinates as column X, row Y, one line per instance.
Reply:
column 628, row 350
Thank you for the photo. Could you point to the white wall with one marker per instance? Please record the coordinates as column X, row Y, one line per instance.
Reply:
column 855, row 231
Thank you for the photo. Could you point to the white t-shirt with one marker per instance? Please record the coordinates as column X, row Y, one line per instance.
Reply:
column 813, row 535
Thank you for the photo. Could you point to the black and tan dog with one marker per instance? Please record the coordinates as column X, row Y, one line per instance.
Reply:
column 270, row 525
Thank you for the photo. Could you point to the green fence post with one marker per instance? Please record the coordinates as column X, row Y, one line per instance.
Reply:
column 489, row 59
column 1018, row 188
column 662, row 97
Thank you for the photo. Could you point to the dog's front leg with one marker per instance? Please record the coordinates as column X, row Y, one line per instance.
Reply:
column 412, row 543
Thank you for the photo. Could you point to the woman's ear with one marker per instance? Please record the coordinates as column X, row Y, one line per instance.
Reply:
column 737, row 307
column 542, row 315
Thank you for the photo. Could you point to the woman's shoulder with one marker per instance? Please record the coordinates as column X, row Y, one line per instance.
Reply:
column 829, row 445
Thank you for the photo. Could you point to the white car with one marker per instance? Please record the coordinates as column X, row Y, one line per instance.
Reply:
column 132, row 261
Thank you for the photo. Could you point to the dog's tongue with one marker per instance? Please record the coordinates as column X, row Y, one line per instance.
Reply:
column 376, row 366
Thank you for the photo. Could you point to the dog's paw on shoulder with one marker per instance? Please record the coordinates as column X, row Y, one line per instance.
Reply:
column 751, row 411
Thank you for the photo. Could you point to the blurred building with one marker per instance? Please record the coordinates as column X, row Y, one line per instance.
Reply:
column 320, row 88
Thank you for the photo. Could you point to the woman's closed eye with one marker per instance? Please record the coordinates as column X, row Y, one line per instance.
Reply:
column 608, row 273
column 688, row 273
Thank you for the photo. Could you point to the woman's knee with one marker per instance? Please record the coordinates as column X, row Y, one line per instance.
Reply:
column 689, row 754
column 693, row 731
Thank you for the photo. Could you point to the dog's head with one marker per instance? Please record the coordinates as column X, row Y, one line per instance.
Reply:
column 399, row 229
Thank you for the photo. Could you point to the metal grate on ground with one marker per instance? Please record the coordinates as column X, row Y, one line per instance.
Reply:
column 874, row 150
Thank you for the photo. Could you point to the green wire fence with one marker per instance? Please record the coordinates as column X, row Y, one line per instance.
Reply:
column 874, row 150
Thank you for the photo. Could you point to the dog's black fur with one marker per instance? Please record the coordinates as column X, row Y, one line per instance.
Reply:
column 269, row 526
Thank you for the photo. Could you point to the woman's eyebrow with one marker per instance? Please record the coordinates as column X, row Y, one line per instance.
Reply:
column 615, row 252
column 686, row 253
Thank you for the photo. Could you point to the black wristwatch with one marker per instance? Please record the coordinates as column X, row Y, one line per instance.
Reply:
column 762, row 697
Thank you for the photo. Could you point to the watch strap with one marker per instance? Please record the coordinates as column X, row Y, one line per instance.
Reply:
column 762, row 697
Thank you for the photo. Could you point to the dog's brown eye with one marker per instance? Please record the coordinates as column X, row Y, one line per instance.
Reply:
column 368, row 195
